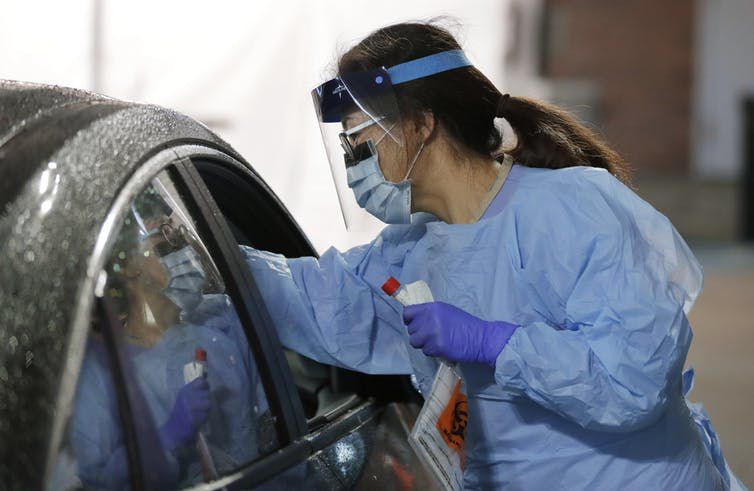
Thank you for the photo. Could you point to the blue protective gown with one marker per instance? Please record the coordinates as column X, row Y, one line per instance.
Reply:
column 236, row 395
column 587, row 394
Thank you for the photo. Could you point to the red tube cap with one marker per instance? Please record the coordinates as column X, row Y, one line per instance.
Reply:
column 200, row 355
column 390, row 286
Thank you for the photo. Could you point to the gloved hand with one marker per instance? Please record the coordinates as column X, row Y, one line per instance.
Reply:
column 189, row 412
column 448, row 332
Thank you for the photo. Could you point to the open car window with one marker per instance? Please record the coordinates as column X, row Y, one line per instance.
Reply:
column 168, row 369
column 256, row 221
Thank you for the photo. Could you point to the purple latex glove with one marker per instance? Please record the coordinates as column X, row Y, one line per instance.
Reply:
column 189, row 412
column 448, row 332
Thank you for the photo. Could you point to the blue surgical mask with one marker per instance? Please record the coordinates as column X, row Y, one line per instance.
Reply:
column 186, row 278
column 388, row 201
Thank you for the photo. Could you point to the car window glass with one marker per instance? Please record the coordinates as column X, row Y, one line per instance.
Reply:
column 192, row 385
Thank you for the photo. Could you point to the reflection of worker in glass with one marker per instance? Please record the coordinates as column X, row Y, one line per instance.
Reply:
column 169, row 300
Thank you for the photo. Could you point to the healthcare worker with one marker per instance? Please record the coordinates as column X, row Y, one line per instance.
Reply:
column 170, row 301
column 561, row 294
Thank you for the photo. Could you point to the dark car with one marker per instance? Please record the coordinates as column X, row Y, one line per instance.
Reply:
column 101, row 202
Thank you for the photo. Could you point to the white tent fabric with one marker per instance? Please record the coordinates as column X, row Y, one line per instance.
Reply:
column 243, row 68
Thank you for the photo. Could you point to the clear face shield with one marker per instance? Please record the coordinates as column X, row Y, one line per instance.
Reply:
column 359, row 117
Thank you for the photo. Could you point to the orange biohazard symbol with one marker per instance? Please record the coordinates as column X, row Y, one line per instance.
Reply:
column 453, row 420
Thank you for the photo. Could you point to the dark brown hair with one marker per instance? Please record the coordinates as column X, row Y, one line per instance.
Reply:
column 466, row 103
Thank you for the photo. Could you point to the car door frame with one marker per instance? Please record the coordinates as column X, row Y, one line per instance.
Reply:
column 296, row 442
column 245, row 296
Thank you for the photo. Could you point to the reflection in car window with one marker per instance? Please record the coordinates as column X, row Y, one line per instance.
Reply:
column 193, row 387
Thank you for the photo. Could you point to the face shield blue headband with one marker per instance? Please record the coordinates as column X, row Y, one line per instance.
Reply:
column 369, row 95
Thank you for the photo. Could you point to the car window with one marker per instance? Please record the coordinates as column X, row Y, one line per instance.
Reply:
column 185, row 375
column 257, row 220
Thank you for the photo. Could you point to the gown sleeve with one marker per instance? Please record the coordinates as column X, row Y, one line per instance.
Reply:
column 95, row 432
column 615, row 280
column 332, row 310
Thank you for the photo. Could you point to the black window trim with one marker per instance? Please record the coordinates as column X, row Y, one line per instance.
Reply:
column 268, row 351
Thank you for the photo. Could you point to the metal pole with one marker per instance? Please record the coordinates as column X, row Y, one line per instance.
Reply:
column 748, row 171
column 97, row 20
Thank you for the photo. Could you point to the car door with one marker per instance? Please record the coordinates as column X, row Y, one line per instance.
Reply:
column 357, row 425
column 115, row 439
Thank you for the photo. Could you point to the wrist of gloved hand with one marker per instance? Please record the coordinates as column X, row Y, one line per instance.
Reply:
column 494, row 338
column 167, row 437
column 190, row 411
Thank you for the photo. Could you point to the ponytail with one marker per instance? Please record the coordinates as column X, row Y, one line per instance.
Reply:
column 547, row 136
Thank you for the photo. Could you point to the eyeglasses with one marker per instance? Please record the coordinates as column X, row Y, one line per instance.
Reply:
column 167, row 238
column 346, row 136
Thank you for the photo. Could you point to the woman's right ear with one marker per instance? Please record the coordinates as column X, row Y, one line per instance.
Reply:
column 425, row 125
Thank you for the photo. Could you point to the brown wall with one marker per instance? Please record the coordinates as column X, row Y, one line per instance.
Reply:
column 639, row 55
